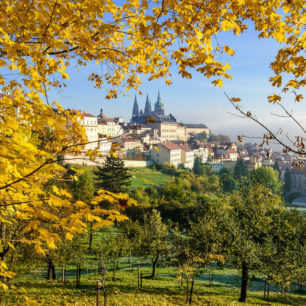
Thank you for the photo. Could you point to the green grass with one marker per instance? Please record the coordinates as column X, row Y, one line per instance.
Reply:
column 140, row 175
column 164, row 290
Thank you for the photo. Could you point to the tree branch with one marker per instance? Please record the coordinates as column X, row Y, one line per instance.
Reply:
column 272, row 135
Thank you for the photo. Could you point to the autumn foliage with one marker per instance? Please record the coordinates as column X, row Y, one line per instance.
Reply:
column 39, row 39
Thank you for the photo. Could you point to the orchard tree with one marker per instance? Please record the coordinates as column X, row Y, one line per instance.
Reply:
column 284, row 251
column 248, row 229
column 40, row 38
column 154, row 239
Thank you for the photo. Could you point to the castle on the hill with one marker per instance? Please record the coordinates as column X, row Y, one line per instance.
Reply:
column 147, row 115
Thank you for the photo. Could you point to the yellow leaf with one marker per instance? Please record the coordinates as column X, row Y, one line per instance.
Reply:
column 217, row 83
column 236, row 100
column 11, row 246
column 69, row 236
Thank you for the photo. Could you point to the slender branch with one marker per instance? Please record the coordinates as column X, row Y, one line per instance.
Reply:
column 293, row 118
column 28, row 9
column 52, row 14
column 272, row 135
column 157, row 19
column 48, row 161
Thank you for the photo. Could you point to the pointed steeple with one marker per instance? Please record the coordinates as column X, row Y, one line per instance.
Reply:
column 148, row 109
column 159, row 107
column 135, row 108
column 158, row 102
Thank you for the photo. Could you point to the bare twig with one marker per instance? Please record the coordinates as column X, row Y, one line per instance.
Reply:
column 271, row 135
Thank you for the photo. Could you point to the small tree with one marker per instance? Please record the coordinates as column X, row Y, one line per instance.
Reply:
column 83, row 190
column 284, row 252
column 154, row 238
column 248, row 226
column 268, row 177
column 113, row 176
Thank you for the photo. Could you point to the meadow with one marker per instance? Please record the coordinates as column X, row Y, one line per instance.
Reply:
column 165, row 289
column 145, row 177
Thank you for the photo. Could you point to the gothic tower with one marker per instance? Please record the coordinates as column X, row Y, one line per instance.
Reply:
column 135, row 109
column 159, row 107
column 148, row 109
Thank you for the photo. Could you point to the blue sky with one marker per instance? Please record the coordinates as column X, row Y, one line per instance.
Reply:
column 196, row 100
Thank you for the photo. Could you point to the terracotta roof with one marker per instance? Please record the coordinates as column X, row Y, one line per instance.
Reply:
column 83, row 114
column 185, row 148
column 103, row 117
column 231, row 151
column 171, row 146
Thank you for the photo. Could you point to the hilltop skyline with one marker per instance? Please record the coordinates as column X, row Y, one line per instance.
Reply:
column 196, row 100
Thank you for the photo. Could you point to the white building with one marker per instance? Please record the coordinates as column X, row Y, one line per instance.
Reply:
column 202, row 154
column 167, row 152
column 187, row 157
column 90, row 124
column 108, row 127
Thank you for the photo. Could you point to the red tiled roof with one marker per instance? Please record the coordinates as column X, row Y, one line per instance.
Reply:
column 231, row 151
column 185, row 148
column 171, row 146
column 83, row 114
column 103, row 117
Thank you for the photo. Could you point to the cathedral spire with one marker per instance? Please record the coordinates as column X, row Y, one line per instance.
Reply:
column 159, row 107
column 158, row 102
column 148, row 109
column 135, row 108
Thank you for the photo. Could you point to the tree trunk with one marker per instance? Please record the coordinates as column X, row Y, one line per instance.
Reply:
column 138, row 277
column 78, row 275
column 154, row 264
column 187, row 291
column 131, row 261
column 191, row 291
column 51, row 270
column 114, row 270
column 90, row 236
column 244, row 282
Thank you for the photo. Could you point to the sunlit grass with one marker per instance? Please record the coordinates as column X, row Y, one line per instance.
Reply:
column 164, row 290
column 142, row 177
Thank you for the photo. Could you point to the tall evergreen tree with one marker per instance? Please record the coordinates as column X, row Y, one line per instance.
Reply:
column 113, row 176
column 288, row 184
column 240, row 169
column 277, row 168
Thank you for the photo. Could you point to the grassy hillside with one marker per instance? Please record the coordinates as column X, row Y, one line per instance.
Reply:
column 141, row 177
